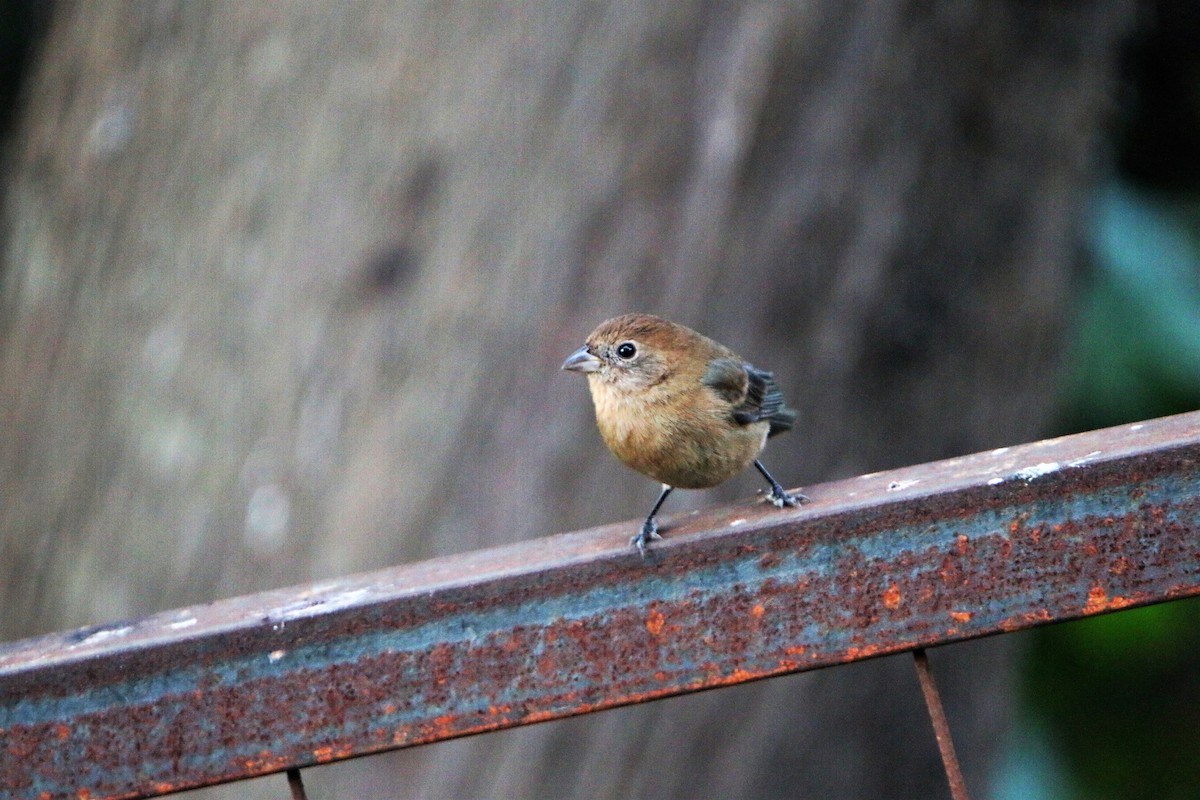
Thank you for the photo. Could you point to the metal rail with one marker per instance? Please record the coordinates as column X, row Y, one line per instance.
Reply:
column 578, row 622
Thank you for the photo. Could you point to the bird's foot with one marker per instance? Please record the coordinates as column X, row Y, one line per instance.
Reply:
column 647, row 534
column 779, row 497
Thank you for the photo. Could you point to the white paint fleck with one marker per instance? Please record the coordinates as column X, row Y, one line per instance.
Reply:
column 308, row 606
column 736, row 522
column 181, row 624
column 347, row 598
column 1036, row 471
column 275, row 655
column 999, row 451
column 995, row 481
column 106, row 634
column 1137, row 426
column 896, row 486
column 1084, row 459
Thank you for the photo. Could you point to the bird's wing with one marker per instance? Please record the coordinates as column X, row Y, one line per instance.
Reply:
column 729, row 379
column 752, row 392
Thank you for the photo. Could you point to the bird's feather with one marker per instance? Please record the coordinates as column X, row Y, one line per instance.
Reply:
column 752, row 392
column 729, row 379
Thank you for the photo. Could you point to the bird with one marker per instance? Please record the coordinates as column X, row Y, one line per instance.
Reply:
column 679, row 407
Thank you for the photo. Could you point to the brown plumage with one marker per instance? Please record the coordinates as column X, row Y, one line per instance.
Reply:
column 679, row 407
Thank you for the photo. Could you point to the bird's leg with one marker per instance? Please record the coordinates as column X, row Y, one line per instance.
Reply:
column 778, row 496
column 649, row 531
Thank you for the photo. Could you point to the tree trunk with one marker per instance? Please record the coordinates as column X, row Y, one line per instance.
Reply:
column 286, row 288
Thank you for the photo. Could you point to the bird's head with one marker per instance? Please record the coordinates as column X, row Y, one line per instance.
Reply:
column 629, row 353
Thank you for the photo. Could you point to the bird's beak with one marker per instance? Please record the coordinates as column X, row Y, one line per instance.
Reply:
column 582, row 360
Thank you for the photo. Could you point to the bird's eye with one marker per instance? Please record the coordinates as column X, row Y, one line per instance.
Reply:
column 627, row 350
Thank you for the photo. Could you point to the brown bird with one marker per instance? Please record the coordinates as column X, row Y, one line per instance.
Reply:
column 679, row 407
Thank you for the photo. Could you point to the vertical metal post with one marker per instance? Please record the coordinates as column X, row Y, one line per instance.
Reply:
column 296, row 785
column 941, row 727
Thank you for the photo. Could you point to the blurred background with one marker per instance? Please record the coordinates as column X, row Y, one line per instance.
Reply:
column 284, row 289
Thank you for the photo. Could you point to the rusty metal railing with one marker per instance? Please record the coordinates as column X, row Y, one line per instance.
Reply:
column 578, row 622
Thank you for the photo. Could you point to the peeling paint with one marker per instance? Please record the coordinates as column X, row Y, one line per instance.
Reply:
column 1036, row 471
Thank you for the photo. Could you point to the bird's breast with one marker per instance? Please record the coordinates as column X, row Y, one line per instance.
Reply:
column 672, row 438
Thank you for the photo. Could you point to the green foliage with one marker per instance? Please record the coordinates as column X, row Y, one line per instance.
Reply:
column 1137, row 351
column 1119, row 694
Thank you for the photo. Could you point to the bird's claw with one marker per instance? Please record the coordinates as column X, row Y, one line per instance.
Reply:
column 647, row 534
column 780, row 498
